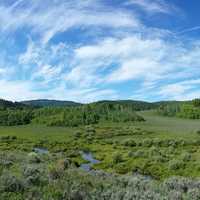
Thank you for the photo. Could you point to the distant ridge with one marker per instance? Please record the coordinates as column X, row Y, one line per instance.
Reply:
column 137, row 105
column 48, row 102
column 11, row 104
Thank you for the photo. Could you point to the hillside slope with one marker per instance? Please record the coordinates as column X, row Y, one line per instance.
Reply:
column 4, row 104
column 47, row 102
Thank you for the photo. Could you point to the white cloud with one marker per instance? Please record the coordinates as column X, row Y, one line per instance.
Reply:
column 188, row 30
column 16, row 90
column 133, row 69
column 152, row 61
column 2, row 71
column 25, row 90
column 153, row 6
column 44, row 62
column 184, row 90
column 48, row 18
column 42, row 54
column 48, row 73
column 132, row 57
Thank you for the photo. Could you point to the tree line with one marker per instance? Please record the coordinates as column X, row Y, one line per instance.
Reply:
column 189, row 110
column 68, row 116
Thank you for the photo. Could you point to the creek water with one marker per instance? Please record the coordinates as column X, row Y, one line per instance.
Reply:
column 40, row 150
column 87, row 156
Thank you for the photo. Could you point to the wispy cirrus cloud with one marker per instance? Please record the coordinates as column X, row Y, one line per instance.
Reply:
column 153, row 6
column 48, row 18
column 183, row 90
column 151, row 61
column 188, row 30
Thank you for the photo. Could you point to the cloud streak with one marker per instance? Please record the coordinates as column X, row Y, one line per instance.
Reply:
column 48, row 18
column 153, row 6
column 188, row 30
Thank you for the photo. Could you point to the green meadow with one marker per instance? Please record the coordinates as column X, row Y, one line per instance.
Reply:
column 159, row 147
column 155, row 158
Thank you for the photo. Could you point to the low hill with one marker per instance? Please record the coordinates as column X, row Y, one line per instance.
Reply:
column 135, row 105
column 47, row 103
column 131, row 104
column 69, row 113
column 85, row 114
column 4, row 104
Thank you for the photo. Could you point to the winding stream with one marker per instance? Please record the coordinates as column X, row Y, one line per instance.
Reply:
column 87, row 156
column 40, row 150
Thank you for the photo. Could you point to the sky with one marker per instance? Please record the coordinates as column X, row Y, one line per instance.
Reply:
column 90, row 50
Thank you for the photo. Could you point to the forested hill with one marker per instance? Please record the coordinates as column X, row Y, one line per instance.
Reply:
column 131, row 104
column 4, row 104
column 135, row 105
column 55, row 113
column 47, row 102
column 65, row 115
column 58, row 113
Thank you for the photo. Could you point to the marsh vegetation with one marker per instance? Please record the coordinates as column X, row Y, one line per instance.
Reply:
column 154, row 158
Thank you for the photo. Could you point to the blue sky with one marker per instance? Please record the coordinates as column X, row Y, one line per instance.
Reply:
column 89, row 50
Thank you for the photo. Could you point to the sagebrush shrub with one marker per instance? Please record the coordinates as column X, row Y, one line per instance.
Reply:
column 176, row 164
column 34, row 158
column 10, row 183
column 117, row 158
column 186, row 157
column 55, row 172
column 33, row 175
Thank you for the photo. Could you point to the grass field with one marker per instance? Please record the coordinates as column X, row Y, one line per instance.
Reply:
column 170, row 126
column 160, row 146
column 165, row 126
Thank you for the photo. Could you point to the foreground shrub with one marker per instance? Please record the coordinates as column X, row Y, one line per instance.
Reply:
column 186, row 157
column 129, row 143
column 6, row 160
column 198, row 132
column 139, row 154
column 55, row 172
column 117, row 158
column 64, row 164
column 34, row 158
column 176, row 164
column 10, row 183
column 193, row 194
column 33, row 175
column 154, row 151
column 147, row 142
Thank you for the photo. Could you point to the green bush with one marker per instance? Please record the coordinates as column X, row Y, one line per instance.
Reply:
column 129, row 143
column 33, row 175
column 176, row 164
column 34, row 158
column 139, row 154
column 198, row 132
column 6, row 160
column 147, row 142
column 10, row 183
column 186, row 157
column 117, row 158
column 55, row 172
